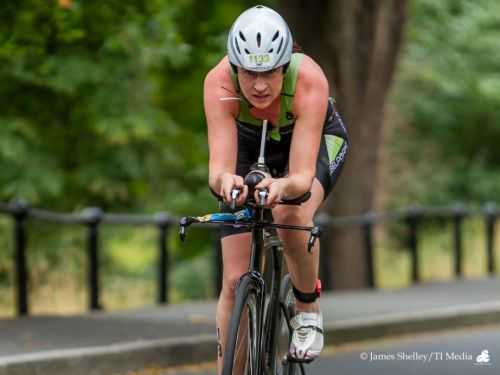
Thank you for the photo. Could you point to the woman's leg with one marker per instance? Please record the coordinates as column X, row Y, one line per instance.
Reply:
column 302, row 265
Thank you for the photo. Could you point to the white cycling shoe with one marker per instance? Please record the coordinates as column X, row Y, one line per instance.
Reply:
column 307, row 338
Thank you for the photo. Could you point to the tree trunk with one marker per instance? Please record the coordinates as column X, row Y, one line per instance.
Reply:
column 356, row 42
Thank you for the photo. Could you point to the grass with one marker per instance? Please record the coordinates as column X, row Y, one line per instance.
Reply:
column 129, row 258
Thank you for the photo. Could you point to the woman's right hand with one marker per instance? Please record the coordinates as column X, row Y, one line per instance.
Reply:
column 228, row 183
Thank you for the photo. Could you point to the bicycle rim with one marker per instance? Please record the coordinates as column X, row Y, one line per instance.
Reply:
column 241, row 356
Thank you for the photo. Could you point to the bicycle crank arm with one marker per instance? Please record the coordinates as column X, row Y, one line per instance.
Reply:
column 289, row 359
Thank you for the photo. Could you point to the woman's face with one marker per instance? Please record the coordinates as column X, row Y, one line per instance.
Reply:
column 261, row 88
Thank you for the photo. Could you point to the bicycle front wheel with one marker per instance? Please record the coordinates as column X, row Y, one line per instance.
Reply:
column 242, row 353
column 287, row 311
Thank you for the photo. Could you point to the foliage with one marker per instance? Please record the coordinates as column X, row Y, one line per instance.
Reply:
column 78, row 120
column 449, row 92
column 101, row 105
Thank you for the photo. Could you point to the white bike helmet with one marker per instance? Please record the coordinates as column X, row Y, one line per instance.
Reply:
column 259, row 40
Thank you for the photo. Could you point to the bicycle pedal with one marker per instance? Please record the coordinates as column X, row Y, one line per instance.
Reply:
column 289, row 359
column 285, row 361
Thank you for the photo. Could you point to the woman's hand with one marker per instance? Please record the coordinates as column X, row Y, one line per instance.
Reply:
column 228, row 183
column 275, row 188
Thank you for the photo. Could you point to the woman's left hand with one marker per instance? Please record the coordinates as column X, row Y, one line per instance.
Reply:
column 275, row 188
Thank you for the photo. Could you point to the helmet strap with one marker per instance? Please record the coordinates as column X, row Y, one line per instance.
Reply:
column 234, row 67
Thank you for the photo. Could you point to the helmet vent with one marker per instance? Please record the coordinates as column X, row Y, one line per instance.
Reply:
column 258, row 39
column 237, row 45
column 247, row 51
column 276, row 35
column 279, row 47
column 242, row 37
column 259, row 6
column 271, row 50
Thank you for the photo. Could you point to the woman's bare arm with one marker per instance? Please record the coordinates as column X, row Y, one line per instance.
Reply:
column 310, row 106
column 220, row 116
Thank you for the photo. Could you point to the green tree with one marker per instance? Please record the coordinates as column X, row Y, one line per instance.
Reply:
column 78, row 120
column 101, row 105
column 448, row 94
column 357, row 43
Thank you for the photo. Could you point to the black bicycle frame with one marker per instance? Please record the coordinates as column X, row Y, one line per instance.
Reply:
column 257, row 270
column 267, row 318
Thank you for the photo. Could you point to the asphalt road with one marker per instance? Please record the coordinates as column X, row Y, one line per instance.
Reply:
column 446, row 353
column 451, row 353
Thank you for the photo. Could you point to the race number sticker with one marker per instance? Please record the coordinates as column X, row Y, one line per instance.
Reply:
column 258, row 60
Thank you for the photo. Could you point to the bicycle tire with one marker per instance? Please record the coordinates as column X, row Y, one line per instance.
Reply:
column 287, row 311
column 242, row 353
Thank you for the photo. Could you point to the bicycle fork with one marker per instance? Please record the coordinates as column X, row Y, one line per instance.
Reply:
column 258, row 285
column 271, row 329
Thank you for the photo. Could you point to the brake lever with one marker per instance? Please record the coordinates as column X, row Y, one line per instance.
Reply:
column 315, row 234
column 183, row 223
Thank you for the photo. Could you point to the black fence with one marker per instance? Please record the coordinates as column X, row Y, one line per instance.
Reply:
column 413, row 217
column 93, row 218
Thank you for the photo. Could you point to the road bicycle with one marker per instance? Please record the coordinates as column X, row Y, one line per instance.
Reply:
column 259, row 332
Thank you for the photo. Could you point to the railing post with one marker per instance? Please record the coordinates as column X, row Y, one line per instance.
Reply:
column 20, row 213
column 162, row 221
column 458, row 216
column 412, row 219
column 368, row 239
column 325, row 246
column 218, row 263
column 93, row 218
column 490, row 218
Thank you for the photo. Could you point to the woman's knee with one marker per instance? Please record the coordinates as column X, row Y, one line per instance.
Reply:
column 235, row 256
column 230, row 280
column 292, row 215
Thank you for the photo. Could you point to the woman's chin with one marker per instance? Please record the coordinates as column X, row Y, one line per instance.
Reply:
column 261, row 104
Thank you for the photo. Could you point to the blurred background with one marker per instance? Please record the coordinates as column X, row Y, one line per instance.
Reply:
column 101, row 106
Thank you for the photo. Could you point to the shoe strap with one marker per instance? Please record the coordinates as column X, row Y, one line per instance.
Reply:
column 315, row 328
column 297, row 322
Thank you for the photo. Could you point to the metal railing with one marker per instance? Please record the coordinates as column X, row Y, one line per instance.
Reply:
column 92, row 218
column 413, row 217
